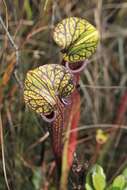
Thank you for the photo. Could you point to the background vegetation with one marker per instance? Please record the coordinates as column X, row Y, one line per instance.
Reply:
column 28, row 156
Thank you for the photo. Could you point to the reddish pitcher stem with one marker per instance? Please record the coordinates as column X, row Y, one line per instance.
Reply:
column 73, row 110
column 74, row 114
column 122, row 108
column 56, row 135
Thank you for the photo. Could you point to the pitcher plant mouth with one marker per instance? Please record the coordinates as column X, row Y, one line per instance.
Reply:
column 76, row 67
column 66, row 101
column 50, row 117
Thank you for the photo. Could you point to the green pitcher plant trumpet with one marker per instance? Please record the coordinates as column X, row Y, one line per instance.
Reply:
column 46, row 91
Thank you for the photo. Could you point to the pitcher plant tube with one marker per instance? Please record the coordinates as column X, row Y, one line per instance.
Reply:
column 46, row 91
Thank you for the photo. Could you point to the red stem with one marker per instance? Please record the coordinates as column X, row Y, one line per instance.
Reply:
column 56, row 135
column 122, row 108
